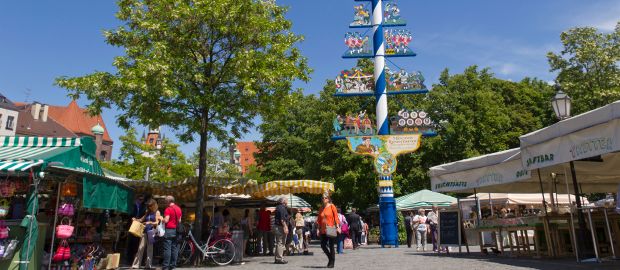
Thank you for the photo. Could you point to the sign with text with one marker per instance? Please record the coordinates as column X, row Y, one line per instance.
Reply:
column 384, row 148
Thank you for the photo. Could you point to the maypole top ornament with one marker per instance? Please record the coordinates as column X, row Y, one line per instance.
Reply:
column 391, row 16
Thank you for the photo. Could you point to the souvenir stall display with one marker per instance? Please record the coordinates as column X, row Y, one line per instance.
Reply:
column 54, row 203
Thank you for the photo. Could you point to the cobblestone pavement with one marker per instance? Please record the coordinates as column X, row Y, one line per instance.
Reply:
column 374, row 257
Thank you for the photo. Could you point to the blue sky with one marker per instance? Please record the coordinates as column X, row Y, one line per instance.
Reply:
column 41, row 40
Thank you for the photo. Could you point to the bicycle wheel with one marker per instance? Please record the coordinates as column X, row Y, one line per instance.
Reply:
column 186, row 253
column 222, row 251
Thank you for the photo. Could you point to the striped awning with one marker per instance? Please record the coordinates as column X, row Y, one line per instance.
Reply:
column 23, row 153
column 280, row 187
column 19, row 165
column 294, row 202
column 187, row 189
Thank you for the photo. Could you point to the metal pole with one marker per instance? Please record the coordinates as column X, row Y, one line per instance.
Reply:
column 593, row 235
column 581, row 234
column 49, row 264
column 611, row 239
column 572, row 220
column 542, row 191
column 491, row 204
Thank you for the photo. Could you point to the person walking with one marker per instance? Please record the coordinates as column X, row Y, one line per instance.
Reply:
column 299, row 231
column 343, row 233
column 328, row 217
column 364, row 233
column 151, row 219
column 264, row 230
column 172, row 219
column 246, row 223
column 355, row 228
column 419, row 225
column 280, row 229
column 433, row 222
column 409, row 228
column 132, row 241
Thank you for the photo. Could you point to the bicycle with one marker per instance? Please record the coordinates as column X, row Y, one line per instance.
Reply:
column 221, row 251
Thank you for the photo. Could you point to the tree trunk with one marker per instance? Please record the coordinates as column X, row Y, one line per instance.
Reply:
column 202, row 176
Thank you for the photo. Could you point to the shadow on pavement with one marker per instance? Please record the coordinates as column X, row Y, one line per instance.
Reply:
column 541, row 264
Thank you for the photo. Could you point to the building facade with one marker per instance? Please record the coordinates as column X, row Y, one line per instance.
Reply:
column 242, row 155
column 9, row 114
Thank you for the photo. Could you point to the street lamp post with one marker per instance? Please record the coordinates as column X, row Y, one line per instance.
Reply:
column 561, row 103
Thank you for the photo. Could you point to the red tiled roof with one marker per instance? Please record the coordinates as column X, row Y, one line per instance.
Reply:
column 247, row 150
column 26, row 125
column 78, row 120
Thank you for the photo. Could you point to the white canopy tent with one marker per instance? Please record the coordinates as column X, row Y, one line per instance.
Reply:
column 518, row 198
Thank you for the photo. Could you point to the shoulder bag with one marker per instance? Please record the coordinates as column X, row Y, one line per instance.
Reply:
column 330, row 231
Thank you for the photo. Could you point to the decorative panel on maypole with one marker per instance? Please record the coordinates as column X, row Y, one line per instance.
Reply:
column 379, row 38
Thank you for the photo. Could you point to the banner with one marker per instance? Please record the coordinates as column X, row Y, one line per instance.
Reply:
column 384, row 148
column 590, row 142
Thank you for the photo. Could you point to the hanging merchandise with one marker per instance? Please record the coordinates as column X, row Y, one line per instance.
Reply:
column 4, row 208
column 7, row 188
column 63, row 252
column 69, row 189
column 64, row 230
column 21, row 186
column 66, row 209
column 4, row 230
column 8, row 250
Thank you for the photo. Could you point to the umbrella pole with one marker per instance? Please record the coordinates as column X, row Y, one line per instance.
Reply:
column 49, row 264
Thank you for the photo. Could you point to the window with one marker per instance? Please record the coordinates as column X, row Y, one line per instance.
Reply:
column 151, row 140
column 9, row 122
column 0, row 120
column 103, row 155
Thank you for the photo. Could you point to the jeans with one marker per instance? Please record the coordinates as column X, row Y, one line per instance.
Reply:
column 327, row 245
column 421, row 238
column 278, row 231
column 171, row 249
column 340, row 243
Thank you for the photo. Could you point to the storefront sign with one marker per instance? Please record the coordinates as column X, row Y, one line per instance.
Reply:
column 597, row 140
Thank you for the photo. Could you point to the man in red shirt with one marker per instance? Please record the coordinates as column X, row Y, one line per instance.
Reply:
column 264, row 229
column 172, row 219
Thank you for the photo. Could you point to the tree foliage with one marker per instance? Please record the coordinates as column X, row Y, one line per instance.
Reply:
column 205, row 68
column 588, row 67
column 476, row 113
column 218, row 163
column 164, row 164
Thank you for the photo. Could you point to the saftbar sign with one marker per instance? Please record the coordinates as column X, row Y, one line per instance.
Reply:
column 590, row 142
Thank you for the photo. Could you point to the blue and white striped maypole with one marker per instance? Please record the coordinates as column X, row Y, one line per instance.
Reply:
column 379, row 54
column 387, row 204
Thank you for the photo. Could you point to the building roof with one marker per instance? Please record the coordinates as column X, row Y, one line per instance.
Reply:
column 5, row 103
column 26, row 125
column 78, row 120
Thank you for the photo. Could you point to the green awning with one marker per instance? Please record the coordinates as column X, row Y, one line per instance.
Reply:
column 101, row 193
column 24, row 153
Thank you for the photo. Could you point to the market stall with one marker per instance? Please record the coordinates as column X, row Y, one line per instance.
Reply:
column 425, row 199
column 576, row 154
column 64, row 185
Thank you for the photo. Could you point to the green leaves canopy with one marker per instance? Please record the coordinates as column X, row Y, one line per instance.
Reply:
column 199, row 66
column 588, row 67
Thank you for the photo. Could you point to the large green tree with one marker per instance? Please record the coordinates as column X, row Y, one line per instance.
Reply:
column 205, row 68
column 476, row 113
column 588, row 67
column 164, row 164
column 218, row 163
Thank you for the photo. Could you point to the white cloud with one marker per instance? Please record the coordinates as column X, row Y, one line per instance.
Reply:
column 603, row 16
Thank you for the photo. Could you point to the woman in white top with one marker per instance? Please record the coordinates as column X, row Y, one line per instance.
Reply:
column 421, row 229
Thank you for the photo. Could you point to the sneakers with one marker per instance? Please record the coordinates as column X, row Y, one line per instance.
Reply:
column 281, row 262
